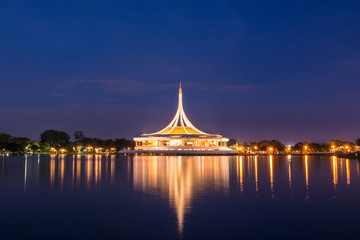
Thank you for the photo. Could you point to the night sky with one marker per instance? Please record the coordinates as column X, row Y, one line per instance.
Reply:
column 252, row 70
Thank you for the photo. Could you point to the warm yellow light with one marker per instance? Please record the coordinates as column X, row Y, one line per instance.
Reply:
column 62, row 150
column 346, row 147
column 289, row 148
column 270, row 148
column 305, row 147
column 255, row 147
column 332, row 146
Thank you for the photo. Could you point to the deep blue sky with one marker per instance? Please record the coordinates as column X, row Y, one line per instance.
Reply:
column 252, row 70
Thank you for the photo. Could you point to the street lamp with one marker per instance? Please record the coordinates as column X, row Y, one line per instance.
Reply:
column 271, row 149
column 333, row 147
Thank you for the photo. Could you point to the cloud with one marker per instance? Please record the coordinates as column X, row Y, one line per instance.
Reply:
column 134, row 87
column 241, row 88
column 125, row 86
column 352, row 63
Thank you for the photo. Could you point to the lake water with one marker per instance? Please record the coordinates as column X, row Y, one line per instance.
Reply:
column 173, row 197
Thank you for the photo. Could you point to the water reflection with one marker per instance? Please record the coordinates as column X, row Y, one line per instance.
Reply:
column 180, row 179
column 184, row 181
column 271, row 176
column 306, row 178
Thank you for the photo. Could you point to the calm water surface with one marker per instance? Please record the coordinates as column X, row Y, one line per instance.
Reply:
column 158, row 197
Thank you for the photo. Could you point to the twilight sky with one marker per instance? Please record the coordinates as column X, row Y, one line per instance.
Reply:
column 252, row 70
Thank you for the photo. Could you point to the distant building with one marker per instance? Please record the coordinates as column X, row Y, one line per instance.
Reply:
column 181, row 136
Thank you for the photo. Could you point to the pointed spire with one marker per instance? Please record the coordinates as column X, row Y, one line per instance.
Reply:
column 180, row 121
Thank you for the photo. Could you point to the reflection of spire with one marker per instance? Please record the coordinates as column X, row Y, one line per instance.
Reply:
column 179, row 178
column 180, row 120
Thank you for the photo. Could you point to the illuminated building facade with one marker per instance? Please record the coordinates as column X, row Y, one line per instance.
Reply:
column 181, row 136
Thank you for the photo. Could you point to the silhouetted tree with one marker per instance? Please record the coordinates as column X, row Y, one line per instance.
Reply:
column 275, row 144
column 79, row 136
column 55, row 138
column 232, row 141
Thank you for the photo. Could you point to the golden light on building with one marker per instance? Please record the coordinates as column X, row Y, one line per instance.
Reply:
column 181, row 136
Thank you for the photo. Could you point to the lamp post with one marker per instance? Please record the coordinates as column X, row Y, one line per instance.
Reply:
column 333, row 148
column 347, row 148
column 271, row 149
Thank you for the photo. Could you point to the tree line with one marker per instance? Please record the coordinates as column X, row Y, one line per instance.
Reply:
column 59, row 141
column 300, row 147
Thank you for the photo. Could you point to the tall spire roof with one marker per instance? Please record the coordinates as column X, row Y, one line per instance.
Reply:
column 180, row 124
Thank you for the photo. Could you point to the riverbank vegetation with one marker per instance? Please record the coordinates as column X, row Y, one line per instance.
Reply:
column 57, row 142
column 276, row 147
column 52, row 141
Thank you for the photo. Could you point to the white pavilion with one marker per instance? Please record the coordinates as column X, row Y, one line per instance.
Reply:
column 181, row 137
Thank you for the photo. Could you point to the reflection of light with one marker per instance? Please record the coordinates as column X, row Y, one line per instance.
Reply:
column 73, row 170
column 97, row 169
column 179, row 178
column 78, row 170
column 62, row 172
column 241, row 173
column 89, row 170
column 256, row 175
column 335, row 174
column 25, row 173
column 271, row 175
column 52, row 169
column 112, row 168
column 307, row 177
column 289, row 162
column 347, row 172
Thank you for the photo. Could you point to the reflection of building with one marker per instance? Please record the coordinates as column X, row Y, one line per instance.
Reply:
column 181, row 136
column 180, row 178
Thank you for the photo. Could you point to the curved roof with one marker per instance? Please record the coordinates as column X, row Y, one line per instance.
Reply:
column 180, row 124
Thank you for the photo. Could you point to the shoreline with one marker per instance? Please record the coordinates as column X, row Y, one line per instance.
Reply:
column 339, row 155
